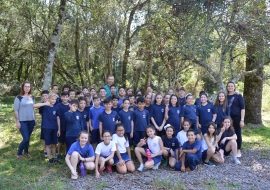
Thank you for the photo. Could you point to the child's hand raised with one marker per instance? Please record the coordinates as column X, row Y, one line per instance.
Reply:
column 222, row 129
column 143, row 141
column 167, row 108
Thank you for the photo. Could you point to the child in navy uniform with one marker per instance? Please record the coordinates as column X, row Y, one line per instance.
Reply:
column 84, row 113
column 157, row 114
column 227, row 142
column 141, row 119
column 190, row 154
column 107, row 119
column 94, row 113
column 148, row 100
column 173, row 113
column 171, row 146
column 206, row 113
column 132, row 105
column 44, row 98
column 155, row 146
column 50, row 125
column 63, row 108
column 74, row 123
column 71, row 93
column 115, row 106
column 122, row 96
column 189, row 111
column 222, row 108
column 126, row 117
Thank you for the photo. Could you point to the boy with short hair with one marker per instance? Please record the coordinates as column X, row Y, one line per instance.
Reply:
column 50, row 125
column 94, row 113
column 102, row 95
column 66, row 88
column 122, row 95
column 54, row 90
column 126, row 117
column 84, row 113
column 71, row 93
column 107, row 119
column 132, row 105
column 141, row 119
column 115, row 106
column 44, row 98
column 79, row 94
column 74, row 123
column 89, row 102
column 85, row 90
column 63, row 108
column 113, row 90
column 182, row 99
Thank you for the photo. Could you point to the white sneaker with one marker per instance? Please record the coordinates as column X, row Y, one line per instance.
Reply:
column 141, row 168
column 156, row 166
column 236, row 161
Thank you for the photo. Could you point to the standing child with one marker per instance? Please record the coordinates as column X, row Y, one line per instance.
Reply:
column 44, row 98
column 155, row 146
column 222, row 108
column 122, row 95
column 80, row 151
column 189, row 111
column 89, row 102
column 182, row 135
column 126, row 118
column 79, row 94
column 122, row 156
column 206, row 113
column 115, row 106
column 105, row 153
column 181, row 98
column 141, row 119
column 148, row 100
column 107, row 119
column 84, row 113
column 167, row 98
column 71, row 93
column 94, row 113
column 172, row 113
column 171, row 146
column 50, row 125
column 85, row 90
column 190, row 154
column 157, row 114
column 54, row 90
column 102, row 95
column 227, row 142
column 210, row 147
column 63, row 108
column 74, row 123
column 132, row 100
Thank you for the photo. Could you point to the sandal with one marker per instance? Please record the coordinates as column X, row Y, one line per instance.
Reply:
column 74, row 176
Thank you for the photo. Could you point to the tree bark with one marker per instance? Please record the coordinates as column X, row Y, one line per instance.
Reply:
column 253, row 82
column 53, row 46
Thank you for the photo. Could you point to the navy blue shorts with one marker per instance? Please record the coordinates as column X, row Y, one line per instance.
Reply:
column 95, row 137
column 41, row 134
column 223, row 147
column 62, row 138
column 70, row 141
column 137, row 136
column 50, row 136
column 124, row 156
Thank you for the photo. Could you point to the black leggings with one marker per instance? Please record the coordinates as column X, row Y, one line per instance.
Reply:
column 238, row 130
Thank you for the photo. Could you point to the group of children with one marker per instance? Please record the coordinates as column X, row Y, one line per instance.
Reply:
column 168, row 128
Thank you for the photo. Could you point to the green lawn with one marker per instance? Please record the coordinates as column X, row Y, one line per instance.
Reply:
column 36, row 173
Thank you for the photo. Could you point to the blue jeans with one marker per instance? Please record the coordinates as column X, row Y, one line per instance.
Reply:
column 26, row 131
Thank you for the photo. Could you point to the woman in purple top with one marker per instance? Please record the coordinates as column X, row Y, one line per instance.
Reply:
column 237, row 107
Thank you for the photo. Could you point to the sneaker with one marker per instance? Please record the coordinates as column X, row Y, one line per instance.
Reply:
column 45, row 154
column 109, row 168
column 209, row 163
column 58, row 156
column 236, row 161
column 51, row 161
column 141, row 168
column 156, row 166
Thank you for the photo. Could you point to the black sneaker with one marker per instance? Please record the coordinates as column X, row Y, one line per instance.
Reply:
column 51, row 161
column 209, row 163
column 45, row 154
column 58, row 156
column 56, row 160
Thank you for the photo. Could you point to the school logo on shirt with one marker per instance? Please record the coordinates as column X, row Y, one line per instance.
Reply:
column 208, row 110
column 85, row 116
column 77, row 117
column 178, row 111
column 144, row 116
column 113, row 119
column 173, row 144
column 154, row 144
column 129, row 117
column 162, row 110
column 54, row 112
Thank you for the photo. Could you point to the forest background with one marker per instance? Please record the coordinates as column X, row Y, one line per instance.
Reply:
column 198, row 44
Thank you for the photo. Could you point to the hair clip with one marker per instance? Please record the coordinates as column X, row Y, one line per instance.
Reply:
column 166, row 126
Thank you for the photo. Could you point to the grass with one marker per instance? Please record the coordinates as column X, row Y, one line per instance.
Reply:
column 36, row 173
column 166, row 183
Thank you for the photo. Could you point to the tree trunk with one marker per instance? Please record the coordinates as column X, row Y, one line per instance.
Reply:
column 77, row 55
column 53, row 46
column 253, row 82
column 148, row 70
